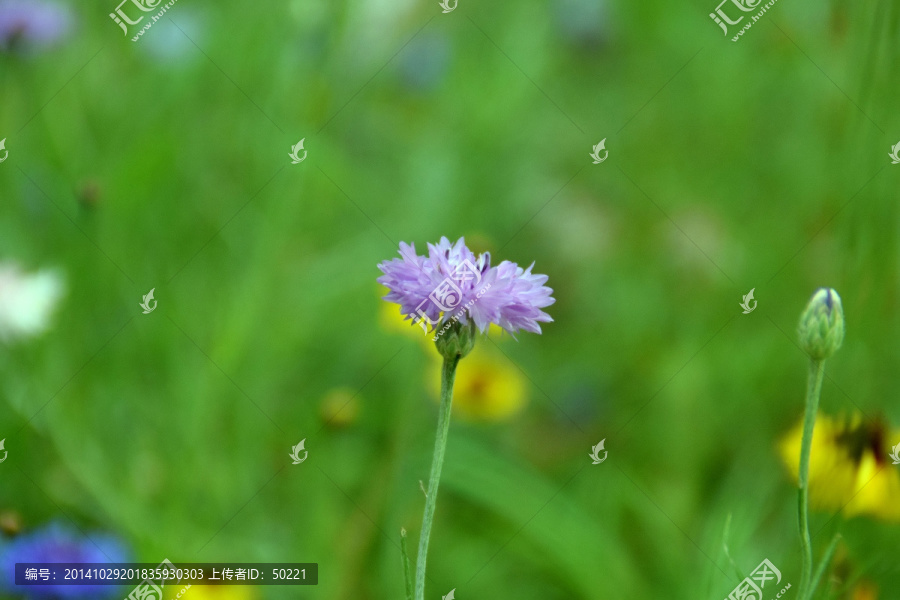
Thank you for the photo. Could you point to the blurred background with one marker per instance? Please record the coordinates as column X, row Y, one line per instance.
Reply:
column 163, row 164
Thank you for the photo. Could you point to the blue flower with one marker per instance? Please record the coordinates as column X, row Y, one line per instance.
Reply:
column 451, row 279
column 56, row 543
column 31, row 23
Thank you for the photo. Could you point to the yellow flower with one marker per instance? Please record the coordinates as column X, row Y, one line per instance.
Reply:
column 488, row 386
column 849, row 467
column 211, row 592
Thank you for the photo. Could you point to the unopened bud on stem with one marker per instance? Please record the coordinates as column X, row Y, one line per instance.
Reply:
column 821, row 328
column 455, row 339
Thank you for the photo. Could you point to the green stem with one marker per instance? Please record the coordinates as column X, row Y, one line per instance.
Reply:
column 448, row 374
column 726, row 535
column 404, row 556
column 813, row 390
column 826, row 559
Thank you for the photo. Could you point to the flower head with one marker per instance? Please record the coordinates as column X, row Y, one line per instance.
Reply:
column 821, row 328
column 452, row 284
column 849, row 467
column 58, row 544
column 31, row 23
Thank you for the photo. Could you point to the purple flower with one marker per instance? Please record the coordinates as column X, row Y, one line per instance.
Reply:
column 455, row 283
column 31, row 23
column 58, row 544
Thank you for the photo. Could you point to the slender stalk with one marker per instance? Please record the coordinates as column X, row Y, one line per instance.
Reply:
column 448, row 374
column 726, row 535
column 404, row 556
column 826, row 559
column 813, row 390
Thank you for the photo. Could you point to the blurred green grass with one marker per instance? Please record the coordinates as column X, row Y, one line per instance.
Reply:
column 756, row 164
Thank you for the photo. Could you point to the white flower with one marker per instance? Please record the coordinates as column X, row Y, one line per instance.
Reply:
column 26, row 301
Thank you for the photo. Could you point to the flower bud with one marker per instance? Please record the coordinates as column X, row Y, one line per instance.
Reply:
column 821, row 328
column 455, row 339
